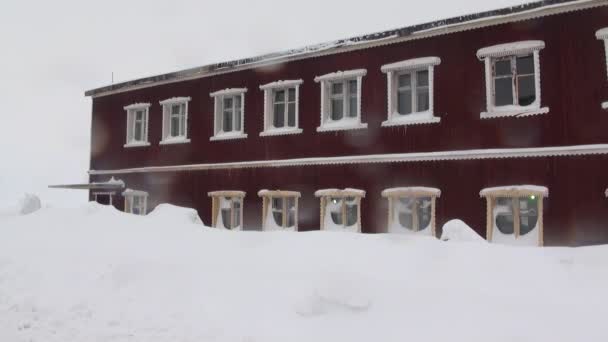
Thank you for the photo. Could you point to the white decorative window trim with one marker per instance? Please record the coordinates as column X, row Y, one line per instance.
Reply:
column 131, row 112
column 487, row 55
column 166, row 128
column 394, row 195
column 326, row 125
column 392, row 70
column 218, row 106
column 268, row 222
column 268, row 89
column 129, row 195
column 217, row 198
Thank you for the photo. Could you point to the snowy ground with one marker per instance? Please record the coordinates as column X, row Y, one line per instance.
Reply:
column 95, row 274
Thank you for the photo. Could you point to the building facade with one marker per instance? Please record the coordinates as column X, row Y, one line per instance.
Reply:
column 498, row 119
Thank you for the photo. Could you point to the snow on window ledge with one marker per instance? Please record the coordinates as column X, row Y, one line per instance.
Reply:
column 174, row 140
column 397, row 119
column 605, row 105
column 228, row 136
column 508, row 49
column 414, row 63
column 514, row 111
column 280, row 131
column 341, row 126
column 136, row 144
column 341, row 75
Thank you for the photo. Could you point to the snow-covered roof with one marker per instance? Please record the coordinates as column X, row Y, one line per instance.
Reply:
column 347, row 192
column 514, row 190
column 131, row 192
column 226, row 193
column 137, row 106
column 175, row 100
column 341, row 75
column 411, row 63
column 602, row 33
column 440, row 27
column 411, row 191
column 281, row 84
column 278, row 193
column 228, row 91
column 513, row 48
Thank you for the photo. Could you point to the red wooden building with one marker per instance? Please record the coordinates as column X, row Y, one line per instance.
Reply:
column 496, row 118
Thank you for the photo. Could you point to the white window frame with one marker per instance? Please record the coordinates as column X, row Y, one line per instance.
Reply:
column 394, row 194
column 104, row 193
column 327, row 194
column 409, row 66
column 216, row 210
column 166, row 131
column 269, row 90
column 516, row 49
column 131, row 118
column 513, row 192
column 267, row 196
column 326, row 81
column 130, row 195
column 218, row 110
column 602, row 34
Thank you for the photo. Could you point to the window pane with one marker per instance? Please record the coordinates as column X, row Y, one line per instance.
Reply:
column 139, row 115
column 138, row 134
column 279, row 115
column 291, row 211
column 182, row 125
column 291, row 114
column 227, row 122
column 503, row 67
column 351, row 211
column 404, row 80
column 175, row 109
column 279, row 96
column 424, row 212
column 352, row 107
column 237, row 212
column 277, row 211
column 503, row 213
column 405, row 212
column 422, row 78
column 528, row 214
column 352, row 87
column 526, row 90
column 226, row 218
column 237, row 120
column 336, row 88
column 404, row 102
column 228, row 103
column 334, row 206
column 525, row 65
column 292, row 94
column 503, row 88
column 337, row 109
column 175, row 126
column 422, row 100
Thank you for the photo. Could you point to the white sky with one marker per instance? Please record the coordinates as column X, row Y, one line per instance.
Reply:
column 52, row 51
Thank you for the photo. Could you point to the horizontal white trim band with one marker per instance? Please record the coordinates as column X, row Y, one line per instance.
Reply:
column 577, row 150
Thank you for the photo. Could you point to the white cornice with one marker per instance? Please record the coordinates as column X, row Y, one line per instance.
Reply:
column 499, row 153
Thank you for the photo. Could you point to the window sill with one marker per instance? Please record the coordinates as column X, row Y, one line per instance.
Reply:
column 280, row 131
column 410, row 121
column 228, row 136
column 515, row 112
column 136, row 144
column 332, row 127
column 172, row 141
column 605, row 105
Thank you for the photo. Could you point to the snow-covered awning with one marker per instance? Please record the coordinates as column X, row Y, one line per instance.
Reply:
column 138, row 105
column 412, row 191
column 348, row 192
column 131, row 192
column 515, row 190
column 281, row 84
column 112, row 184
column 175, row 100
column 228, row 91
column 602, row 33
column 226, row 193
column 278, row 193
column 338, row 75
column 411, row 64
column 507, row 49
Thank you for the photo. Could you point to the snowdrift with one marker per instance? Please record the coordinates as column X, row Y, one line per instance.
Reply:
column 96, row 274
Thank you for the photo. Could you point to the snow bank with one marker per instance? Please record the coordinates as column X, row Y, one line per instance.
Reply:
column 28, row 204
column 97, row 274
column 173, row 215
column 457, row 230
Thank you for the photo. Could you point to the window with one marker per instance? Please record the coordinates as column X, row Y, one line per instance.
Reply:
column 227, row 209
column 341, row 209
column 602, row 34
column 411, row 210
column 512, row 79
column 515, row 214
column 410, row 88
column 103, row 197
column 175, row 120
column 279, row 210
column 281, row 102
column 135, row 202
column 137, row 125
column 341, row 100
column 229, row 114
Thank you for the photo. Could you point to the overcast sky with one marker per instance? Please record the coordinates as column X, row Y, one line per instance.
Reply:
column 52, row 51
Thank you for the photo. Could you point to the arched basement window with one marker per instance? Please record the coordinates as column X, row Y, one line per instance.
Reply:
column 411, row 209
column 341, row 209
column 136, row 202
column 279, row 209
column 515, row 214
column 227, row 209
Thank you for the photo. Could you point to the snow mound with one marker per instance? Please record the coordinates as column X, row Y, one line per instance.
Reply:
column 28, row 204
column 457, row 230
column 174, row 215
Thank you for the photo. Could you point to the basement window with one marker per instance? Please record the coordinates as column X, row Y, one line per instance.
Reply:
column 136, row 202
column 341, row 100
column 175, row 121
column 281, row 107
column 227, row 209
column 512, row 79
column 229, row 114
column 515, row 214
column 341, row 209
column 137, row 125
column 279, row 210
column 411, row 210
